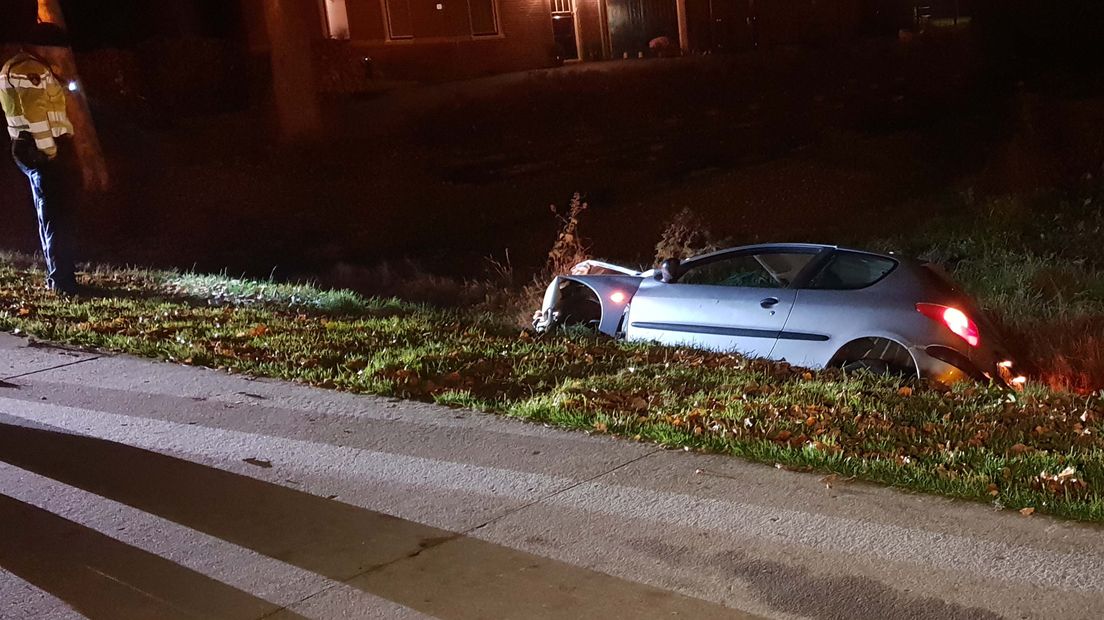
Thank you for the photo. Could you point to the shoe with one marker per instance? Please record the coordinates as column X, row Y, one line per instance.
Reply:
column 65, row 290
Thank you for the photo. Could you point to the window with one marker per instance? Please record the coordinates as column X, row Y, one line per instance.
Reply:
column 483, row 19
column 337, row 19
column 440, row 19
column 399, row 23
column 767, row 270
column 848, row 271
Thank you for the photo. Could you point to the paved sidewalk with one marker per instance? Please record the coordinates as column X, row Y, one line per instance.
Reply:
column 132, row 489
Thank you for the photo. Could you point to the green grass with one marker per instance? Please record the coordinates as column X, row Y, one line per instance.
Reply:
column 972, row 442
column 1035, row 266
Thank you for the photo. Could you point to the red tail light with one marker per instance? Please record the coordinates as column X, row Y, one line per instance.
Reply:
column 956, row 320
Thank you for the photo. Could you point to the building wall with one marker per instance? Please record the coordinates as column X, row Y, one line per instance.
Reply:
column 442, row 46
column 737, row 25
column 591, row 29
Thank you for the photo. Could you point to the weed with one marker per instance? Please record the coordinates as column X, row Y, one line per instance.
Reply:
column 570, row 248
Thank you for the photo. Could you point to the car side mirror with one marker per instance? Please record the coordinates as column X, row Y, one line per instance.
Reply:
column 669, row 270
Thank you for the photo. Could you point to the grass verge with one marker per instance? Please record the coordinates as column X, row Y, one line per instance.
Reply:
column 1041, row 450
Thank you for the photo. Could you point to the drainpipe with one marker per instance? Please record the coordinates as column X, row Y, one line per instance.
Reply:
column 86, row 142
column 684, row 29
column 603, row 17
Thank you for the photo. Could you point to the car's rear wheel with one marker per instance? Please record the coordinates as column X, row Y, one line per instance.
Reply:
column 878, row 356
column 872, row 366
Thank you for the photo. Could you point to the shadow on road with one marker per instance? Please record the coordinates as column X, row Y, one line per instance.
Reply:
column 434, row 571
column 104, row 578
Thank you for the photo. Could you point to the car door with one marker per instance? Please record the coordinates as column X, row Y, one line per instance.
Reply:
column 841, row 301
column 737, row 301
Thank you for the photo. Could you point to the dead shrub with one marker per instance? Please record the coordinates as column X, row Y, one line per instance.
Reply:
column 570, row 248
column 686, row 234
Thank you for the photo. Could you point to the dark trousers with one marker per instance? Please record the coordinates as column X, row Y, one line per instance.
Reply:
column 55, row 187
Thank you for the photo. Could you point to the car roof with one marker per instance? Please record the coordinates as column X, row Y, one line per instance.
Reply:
column 781, row 247
column 785, row 246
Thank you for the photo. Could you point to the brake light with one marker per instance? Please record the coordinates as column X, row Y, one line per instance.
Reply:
column 618, row 297
column 955, row 320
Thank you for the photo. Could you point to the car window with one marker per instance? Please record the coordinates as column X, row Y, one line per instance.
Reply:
column 764, row 270
column 848, row 271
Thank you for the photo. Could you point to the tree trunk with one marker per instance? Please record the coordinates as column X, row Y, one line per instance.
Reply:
column 289, row 35
column 86, row 140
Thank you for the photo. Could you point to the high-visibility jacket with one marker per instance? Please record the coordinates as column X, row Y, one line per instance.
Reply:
column 34, row 100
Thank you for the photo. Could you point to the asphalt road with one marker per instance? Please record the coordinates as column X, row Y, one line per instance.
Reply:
column 130, row 489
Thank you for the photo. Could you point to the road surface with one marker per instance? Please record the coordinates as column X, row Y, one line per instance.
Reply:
column 132, row 489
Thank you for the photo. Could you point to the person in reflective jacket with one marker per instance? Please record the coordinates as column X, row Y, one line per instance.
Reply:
column 33, row 97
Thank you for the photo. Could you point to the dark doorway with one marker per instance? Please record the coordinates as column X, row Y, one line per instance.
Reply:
column 633, row 23
column 563, row 29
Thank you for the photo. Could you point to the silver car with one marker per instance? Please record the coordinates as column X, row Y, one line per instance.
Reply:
column 813, row 306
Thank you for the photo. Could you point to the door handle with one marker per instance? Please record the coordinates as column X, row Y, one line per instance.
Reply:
column 769, row 302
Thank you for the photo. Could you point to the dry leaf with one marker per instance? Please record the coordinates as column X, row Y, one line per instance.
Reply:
column 1027, row 512
column 905, row 391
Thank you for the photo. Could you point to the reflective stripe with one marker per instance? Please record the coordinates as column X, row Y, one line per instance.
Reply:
column 18, row 121
column 59, row 131
column 39, row 127
column 16, row 81
column 45, row 144
column 13, row 132
column 57, row 117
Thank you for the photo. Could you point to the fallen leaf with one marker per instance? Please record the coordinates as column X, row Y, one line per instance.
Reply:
column 905, row 391
column 1027, row 512
column 259, row 330
column 259, row 462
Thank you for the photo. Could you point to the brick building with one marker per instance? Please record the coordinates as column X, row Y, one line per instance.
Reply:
column 435, row 39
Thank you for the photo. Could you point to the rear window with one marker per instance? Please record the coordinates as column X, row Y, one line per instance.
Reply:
column 848, row 271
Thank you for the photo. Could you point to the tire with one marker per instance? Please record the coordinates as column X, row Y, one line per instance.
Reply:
column 872, row 366
column 877, row 356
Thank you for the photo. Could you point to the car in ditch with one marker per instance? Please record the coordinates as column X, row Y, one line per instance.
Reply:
column 812, row 306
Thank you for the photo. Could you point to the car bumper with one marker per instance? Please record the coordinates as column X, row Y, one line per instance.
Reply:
column 947, row 365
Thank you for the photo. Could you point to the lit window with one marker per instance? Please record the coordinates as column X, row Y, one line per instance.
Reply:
column 337, row 19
